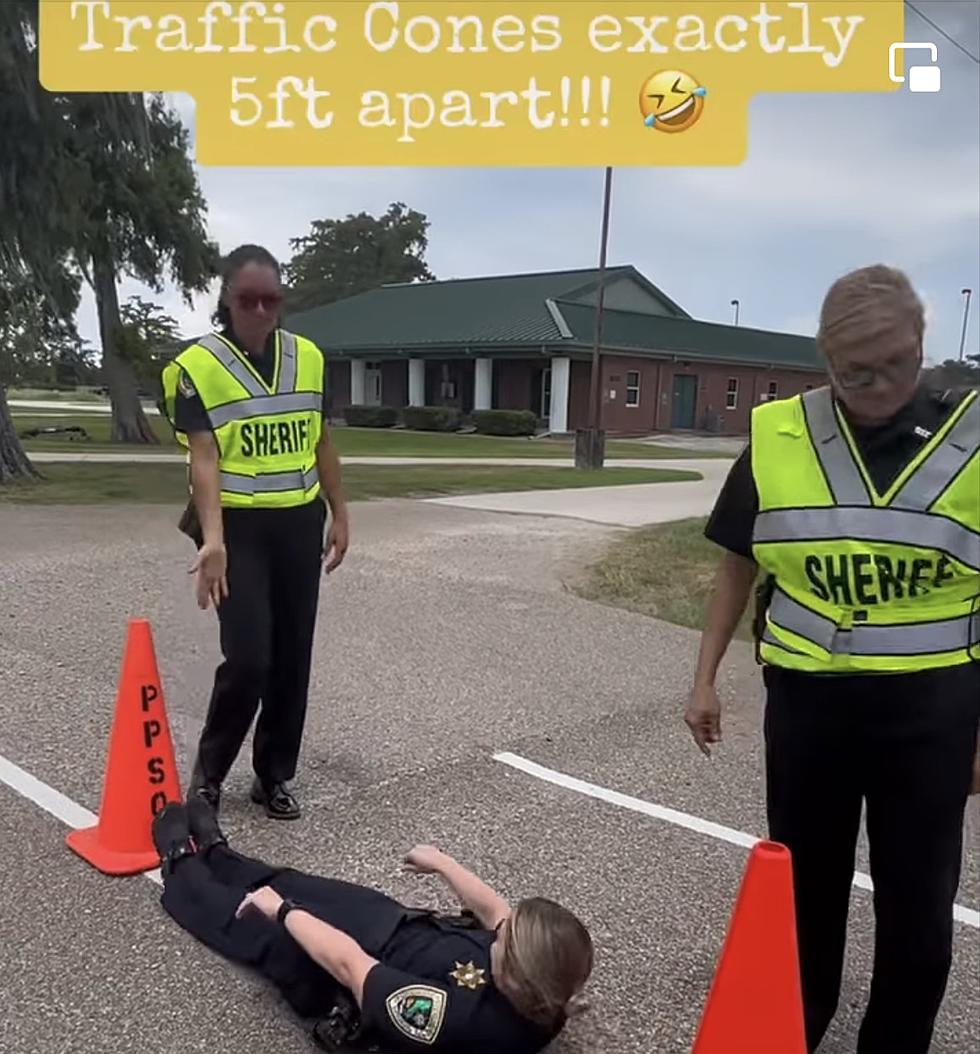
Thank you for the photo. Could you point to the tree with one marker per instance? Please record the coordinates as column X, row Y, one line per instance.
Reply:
column 149, row 339
column 955, row 374
column 73, row 364
column 29, row 329
column 340, row 258
column 117, row 195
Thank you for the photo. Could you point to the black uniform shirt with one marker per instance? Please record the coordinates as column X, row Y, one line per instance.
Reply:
column 189, row 413
column 885, row 450
column 434, row 989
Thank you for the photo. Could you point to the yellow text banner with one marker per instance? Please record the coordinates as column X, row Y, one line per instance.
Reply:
column 587, row 82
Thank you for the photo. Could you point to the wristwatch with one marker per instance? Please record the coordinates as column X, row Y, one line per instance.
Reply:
column 284, row 909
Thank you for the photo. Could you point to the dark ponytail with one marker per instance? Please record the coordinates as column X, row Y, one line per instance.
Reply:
column 230, row 266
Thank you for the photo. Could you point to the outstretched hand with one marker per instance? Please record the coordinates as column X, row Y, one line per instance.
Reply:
column 211, row 568
column 265, row 901
column 703, row 717
column 336, row 544
column 425, row 860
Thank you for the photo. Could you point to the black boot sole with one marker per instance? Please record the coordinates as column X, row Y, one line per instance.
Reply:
column 207, row 832
column 259, row 799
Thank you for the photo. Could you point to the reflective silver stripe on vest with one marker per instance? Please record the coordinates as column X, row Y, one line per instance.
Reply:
column 232, row 363
column 768, row 638
column 843, row 477
column 287, row 362
column 269, row 482
column 943, row 465
column 265, row 405
column 923, row 638
column 893, row 526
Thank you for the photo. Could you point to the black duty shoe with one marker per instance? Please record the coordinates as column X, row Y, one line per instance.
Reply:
column 205, row 788
column 171, row 835
column 203, row 823
column 278, row 801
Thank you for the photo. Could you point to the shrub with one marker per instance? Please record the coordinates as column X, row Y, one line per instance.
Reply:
column 371, row 416
column 431, row 418
column 505, row 422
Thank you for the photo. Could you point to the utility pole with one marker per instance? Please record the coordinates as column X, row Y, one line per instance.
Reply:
column 590, row 442
column 966, row 318
column 735, row 305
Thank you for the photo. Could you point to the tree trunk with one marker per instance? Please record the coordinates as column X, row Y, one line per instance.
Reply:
column 14, row 463
column 129, row 422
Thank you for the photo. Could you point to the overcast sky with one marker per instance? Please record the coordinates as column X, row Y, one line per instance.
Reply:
column 831, row 182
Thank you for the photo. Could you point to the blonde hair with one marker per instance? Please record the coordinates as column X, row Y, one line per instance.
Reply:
column 866, row 303
column 547, row 958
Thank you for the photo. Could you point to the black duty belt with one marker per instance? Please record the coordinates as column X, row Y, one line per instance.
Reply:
column 464, row 920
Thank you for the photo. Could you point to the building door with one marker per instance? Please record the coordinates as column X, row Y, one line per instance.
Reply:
column 685, row 400
column 372, row 385
column 541, row 393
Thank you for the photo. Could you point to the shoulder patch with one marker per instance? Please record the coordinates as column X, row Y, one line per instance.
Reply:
column 418, row 1011
column 185, row 385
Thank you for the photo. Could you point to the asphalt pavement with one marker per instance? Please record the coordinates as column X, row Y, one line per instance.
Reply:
column 449, row 637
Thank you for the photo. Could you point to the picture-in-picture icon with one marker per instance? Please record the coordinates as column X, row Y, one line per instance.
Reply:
column 921, row 78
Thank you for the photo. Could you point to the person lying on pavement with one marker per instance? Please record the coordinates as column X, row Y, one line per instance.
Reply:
column 491, row 979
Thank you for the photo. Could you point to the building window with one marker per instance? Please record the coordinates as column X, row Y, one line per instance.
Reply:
column 731, row 396
column 773, row 391
column 632, row 388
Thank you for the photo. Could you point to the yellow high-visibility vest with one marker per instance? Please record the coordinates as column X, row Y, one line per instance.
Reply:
column 866, row 582
column 267, row 434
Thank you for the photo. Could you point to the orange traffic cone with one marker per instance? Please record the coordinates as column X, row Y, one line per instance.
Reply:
column 756, row 1005
column 140, row 775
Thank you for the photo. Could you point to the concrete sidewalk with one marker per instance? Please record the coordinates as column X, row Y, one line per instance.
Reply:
column 32, row 405
column 626, row 506
column 621, row 506
column 702, row 465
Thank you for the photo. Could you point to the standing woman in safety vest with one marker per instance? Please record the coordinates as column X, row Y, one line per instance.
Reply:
column 249, row 402
column 860, row 504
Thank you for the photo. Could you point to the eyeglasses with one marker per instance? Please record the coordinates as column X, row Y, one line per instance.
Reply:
column 864, row 376
column 253, row 301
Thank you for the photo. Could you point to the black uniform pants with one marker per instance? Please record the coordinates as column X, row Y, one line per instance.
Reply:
column 204, row 891
column 267, row 624
column 903, row 744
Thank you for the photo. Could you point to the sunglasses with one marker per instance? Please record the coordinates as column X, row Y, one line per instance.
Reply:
column 253, row 301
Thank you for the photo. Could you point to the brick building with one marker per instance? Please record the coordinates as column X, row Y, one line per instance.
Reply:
column 524, row 342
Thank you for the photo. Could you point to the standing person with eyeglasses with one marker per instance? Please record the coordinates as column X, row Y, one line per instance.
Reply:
column 249, row 402
column 858, row 507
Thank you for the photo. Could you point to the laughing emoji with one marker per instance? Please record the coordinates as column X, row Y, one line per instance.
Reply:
column 671, row 101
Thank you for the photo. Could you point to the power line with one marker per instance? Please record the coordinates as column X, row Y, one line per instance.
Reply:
column 939, row 29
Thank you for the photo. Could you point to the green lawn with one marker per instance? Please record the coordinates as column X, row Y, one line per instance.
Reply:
column 96, row 425
column 166, row 483
column 359, row 442
column 665, row 571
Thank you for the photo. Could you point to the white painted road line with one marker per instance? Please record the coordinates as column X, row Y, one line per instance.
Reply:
column 75, row 816
column 54, row 802
column 967, row 916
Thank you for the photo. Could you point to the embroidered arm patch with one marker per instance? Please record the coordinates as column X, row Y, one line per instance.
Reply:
column 418, row 1012
column 185, row 385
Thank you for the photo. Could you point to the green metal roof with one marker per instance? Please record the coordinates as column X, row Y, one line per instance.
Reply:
column 630, row 330
column 530, row 313
column 504, row 310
